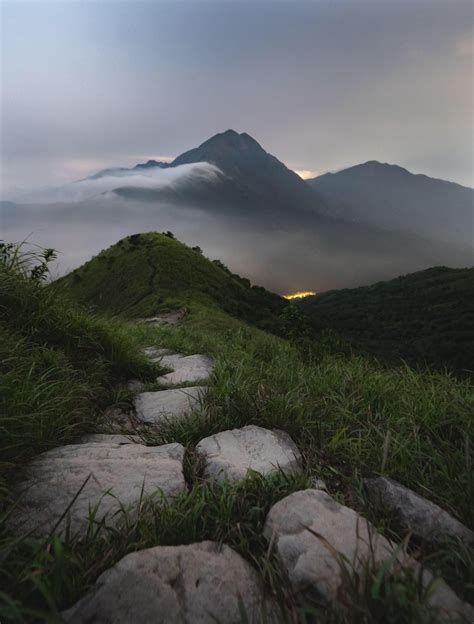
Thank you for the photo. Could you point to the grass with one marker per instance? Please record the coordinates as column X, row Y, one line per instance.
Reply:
column 346, row 412
column 350, row 416
column 146, row 273
column 50, row 575
column 59, row 366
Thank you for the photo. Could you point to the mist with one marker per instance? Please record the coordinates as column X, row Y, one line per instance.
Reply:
column 283, row 260
column 108, row 180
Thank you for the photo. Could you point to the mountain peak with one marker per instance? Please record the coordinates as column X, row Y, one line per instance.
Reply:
column 232, row 140
column 224, row 149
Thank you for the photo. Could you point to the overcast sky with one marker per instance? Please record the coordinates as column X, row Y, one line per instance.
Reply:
column 321, row 85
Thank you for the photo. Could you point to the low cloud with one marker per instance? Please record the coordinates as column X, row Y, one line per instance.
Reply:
column 154, row 178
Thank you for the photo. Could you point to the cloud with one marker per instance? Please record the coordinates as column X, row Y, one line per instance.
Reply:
column 154, row 178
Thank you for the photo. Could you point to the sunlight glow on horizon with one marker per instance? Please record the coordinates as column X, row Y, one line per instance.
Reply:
column 299, row 295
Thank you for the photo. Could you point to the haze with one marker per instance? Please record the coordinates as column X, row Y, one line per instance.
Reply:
column 323, row 85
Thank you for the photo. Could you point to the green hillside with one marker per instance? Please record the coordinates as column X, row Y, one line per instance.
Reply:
column 426, row 316
column 62, row 367
column 146, row 273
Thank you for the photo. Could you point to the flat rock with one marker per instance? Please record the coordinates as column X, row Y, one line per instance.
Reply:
column 167, row 405
column 180, row 585
column 312, row 533
column 424, row 519
column 229, row 455
column 111, row 474
column 186, row 369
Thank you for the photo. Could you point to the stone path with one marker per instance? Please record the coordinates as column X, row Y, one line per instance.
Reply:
column 189, row 369
column 111, row 474
column 309, row 531
column 160, row 407
column 229, row 455
column 314, row 536
column 178, row 584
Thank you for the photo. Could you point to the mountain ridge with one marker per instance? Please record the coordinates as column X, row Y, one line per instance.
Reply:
column 390, row 196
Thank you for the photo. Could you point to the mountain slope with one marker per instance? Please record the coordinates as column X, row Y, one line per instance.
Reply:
column 426, row 316
column 252, row 180
column 145, row 273
column 389, row 196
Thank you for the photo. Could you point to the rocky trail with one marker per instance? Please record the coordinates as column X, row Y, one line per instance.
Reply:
column 312, row 534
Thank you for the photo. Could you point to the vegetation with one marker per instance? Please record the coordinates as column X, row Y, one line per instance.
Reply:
column 350, row 416
column 146, row 273
column 58, row 364
column 424, row 317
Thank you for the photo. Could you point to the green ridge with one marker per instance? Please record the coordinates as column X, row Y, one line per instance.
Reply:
column 147, row 273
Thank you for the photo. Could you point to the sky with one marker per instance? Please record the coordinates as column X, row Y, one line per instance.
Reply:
column 322, row 84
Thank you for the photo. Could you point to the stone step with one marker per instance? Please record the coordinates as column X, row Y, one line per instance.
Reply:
column 156, row 408
column 113, row 472
column 188, row 369
column 200, row 582
column 229, row 455
column 413, row 513
column 311, row 533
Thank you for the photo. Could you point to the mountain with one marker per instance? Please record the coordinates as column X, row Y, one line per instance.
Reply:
column 389, row 196
column 244, row 206
column 427, row 316
column 145, row 273
column 252, row 180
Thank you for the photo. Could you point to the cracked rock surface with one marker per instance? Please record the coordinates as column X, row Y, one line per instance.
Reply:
column 229, row 455
column 186, row 369
column 178, row 584
column 166, row 405
column 414, row 513
column 114, row 472
column 311, row 531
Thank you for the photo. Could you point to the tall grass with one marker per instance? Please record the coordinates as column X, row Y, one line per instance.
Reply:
column 350, row 412
column 58, row 364
column 350, row 416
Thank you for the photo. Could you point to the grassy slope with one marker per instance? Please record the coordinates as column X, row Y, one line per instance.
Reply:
column 145, row 273
column 426, row 316
column 58, row 366
column 350, row 417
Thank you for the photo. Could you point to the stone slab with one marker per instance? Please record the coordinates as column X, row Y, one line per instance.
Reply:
column 167, row 405
column 110, row 473
column 313, row 536
column 229, row 455
column 198, row 583
column 189, row 369
column 424, row 519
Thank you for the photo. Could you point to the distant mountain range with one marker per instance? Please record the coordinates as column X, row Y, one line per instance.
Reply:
column 366, row 223
column 250, row 180
column 389, row 196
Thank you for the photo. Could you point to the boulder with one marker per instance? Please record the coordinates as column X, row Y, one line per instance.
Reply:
column 424, row 519
column 168, row 405
column 314, row 536
column 188, row 369
column 180, row 584
column 229, row 455
column 105, row 475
